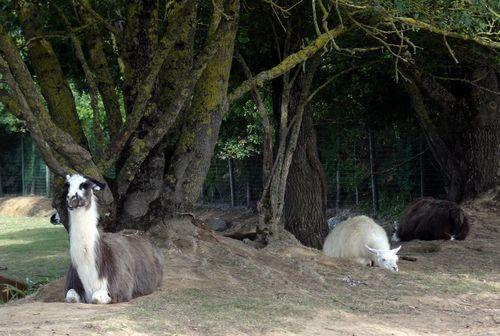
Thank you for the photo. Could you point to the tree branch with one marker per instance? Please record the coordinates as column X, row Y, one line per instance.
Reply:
column 463, row 80
column 85, row 5
column 90, row 78
column 287, row 64
column 337, row 75
column 25, row 113
column 140, row 148
column 267, row 152
column 10, row 103
column 104, row 79
column 19, row 79
column 144, row 89
column 423, row 25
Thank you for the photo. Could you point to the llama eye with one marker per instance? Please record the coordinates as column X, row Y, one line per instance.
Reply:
column 84, row 185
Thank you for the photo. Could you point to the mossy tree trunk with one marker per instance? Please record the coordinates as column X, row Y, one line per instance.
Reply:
column 175, row 170
column 174, row 91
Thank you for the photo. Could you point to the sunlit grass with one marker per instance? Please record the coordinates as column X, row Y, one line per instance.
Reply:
column 32, row 250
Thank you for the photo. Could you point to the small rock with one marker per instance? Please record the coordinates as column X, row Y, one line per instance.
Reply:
column 217, row 224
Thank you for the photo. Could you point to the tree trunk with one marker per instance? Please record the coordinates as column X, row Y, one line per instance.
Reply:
column 482, row 156
column 305, row 197
column 467, row 154
column 174, row 95
column 171, row 179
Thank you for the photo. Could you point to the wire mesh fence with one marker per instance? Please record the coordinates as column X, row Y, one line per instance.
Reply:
column 376, row 172
column 22, row 170
column 372, row 171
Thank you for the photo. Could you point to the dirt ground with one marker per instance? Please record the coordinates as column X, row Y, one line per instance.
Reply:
column 221, row 286
column 26, row 206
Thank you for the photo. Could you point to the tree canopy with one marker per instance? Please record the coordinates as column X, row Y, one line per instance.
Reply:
column 134, row 92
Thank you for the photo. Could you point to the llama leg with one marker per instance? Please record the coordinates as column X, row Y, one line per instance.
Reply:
column 101, row 297
column 72, row 296
column 74, row 288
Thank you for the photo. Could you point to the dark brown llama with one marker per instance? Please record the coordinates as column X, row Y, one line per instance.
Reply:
column 432, row 219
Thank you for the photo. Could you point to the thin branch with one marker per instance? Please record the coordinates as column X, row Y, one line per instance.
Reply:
column 338, row 12
column 46, row 36
column 276, row 41
column 315, row 18
column 90, row 78
column 450, row 50
column 287, row 64
column 342, row 73
column 85, row 5
column 385, row 171
column 422, row 25
column 463, row 80
column 59, row 34
column 267, row 161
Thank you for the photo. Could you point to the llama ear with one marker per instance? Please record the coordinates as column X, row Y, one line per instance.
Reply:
column 98, row 185
column 396, row 250
column 372, row 250
column 67, row 178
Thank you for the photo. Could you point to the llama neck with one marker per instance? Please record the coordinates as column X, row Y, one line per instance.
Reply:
column 83, row 240
column 83, row 225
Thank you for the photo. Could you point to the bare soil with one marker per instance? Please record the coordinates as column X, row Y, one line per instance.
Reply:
column 26, row 206
column 221, row 286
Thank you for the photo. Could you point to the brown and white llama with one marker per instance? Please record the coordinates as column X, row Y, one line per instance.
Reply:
column 105, row 267
column 432, row 219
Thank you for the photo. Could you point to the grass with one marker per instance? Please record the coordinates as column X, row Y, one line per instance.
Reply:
column 216, row 311
column 32, row 250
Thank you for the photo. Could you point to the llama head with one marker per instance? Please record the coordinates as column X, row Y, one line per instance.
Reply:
column 80, row 190
column 387, row 259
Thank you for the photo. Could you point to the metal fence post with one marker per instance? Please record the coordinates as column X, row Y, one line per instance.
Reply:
column 231, row 182
column 22, row 166
column 47, row 181
column 337, row 182
column 373, row 177
column 421, row 161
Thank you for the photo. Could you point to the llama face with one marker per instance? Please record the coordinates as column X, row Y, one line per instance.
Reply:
column 386, row 259
column 80, row 191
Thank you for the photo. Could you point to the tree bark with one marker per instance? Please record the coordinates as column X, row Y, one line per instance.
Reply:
column 53, row 83
column 105, row 81
column 174, row 96
column 482, row 157
column 305, row 197
column 467, row 154
column 293, row 103
column 172, row 177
